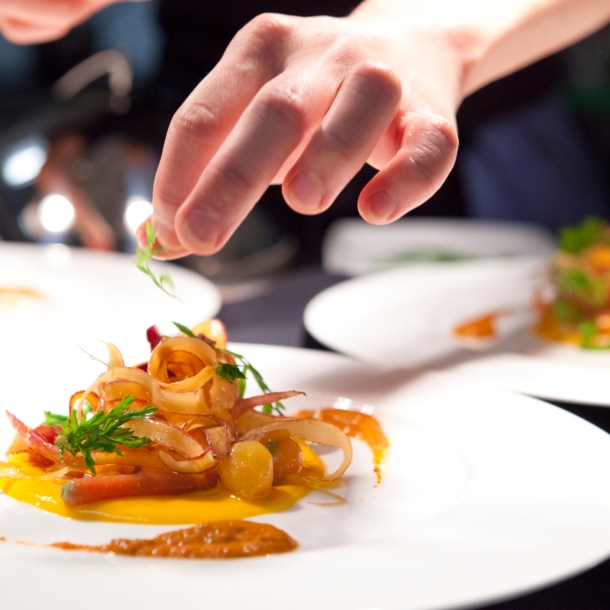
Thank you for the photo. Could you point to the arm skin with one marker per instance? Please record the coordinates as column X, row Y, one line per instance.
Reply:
column 305, row 102
column 36, row 21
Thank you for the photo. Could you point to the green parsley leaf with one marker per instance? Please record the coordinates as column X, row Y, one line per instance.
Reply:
column 575, row 239
column 55, row 419
column 588, row 329
column 184, row 330
column 102, row 432
column 230, row 372
column 143, row 256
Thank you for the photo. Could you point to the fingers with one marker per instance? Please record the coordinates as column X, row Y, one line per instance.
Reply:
column 421, row 165
column 199, row 128
column 346, row 137
column 271, row 128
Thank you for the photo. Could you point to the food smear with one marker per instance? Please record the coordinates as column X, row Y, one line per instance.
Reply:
column 482, row 327
column 10, row 297
column 358, row 425
column 226, row 539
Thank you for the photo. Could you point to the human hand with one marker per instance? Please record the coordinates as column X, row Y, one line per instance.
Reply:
column 36, row 21
column 306, row 102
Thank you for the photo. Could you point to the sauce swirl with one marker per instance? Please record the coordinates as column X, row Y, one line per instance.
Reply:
column 213, row 540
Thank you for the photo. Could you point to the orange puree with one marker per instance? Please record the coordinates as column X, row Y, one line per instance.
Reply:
column 359, row 426
column 183, row 509
column 483, row 327
column 215, row 540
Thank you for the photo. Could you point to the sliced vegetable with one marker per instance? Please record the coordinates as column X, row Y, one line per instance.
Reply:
column 88, row 490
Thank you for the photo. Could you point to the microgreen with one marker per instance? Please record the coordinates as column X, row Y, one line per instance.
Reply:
column 230, row 372
column 143, row 256
column 103, row 431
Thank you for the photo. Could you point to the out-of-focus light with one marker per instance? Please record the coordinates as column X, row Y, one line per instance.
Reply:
column 56, row 213
column 137, row 210
column 23, row 163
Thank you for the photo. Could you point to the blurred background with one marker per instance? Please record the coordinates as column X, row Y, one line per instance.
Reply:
column 83, row 120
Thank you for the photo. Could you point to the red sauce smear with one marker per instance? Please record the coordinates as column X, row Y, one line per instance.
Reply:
column 356, row 425
column 214, row 540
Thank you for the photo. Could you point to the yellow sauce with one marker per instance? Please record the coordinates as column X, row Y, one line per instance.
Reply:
column 182, row 509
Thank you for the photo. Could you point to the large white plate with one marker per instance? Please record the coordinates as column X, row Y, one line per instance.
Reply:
column 87, row 296
column 405, row 318
column 353, row 246
column 486, row 494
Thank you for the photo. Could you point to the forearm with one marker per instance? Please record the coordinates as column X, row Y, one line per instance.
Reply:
column 491, row 38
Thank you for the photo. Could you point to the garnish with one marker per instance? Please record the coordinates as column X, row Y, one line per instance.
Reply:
column 227, row 370
column 104, row 432
column 575, row 239
column 56, row 419
column 230, row 372
column 143, row 257
column 588, row 330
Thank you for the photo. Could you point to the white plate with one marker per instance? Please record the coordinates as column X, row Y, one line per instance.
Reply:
column 405, row 317
column 87, row 296
column 486, row 494
column 353, row 246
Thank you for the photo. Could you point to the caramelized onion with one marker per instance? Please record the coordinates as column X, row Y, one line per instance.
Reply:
column 314, row 431
column 167, row 435
column 188, row 466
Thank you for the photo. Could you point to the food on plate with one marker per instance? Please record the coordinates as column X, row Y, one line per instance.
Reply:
column 174, row 441
column 578, row 311
column 11, row 296
column 215, row 540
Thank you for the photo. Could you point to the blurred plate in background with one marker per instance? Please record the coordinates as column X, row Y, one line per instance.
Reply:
column 353, row 246
column 406, row 317
column 54, row 297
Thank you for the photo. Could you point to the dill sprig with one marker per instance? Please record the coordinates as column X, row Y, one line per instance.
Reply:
column 143, row 257
column 103, row 431
column 232, row 372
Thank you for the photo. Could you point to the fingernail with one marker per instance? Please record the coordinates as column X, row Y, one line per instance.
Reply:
column 306, row 191
column 165, row 238
column 381, row 207
column 202, row 230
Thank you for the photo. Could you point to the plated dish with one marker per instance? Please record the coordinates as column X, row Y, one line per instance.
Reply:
column 457, row 504
column 410, row 315
column 56, row 298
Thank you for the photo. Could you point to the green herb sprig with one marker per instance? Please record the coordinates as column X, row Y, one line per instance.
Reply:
column 102, row 432
column 143, row 257
column 232, row 372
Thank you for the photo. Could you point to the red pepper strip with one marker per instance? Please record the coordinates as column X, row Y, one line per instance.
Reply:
column 87, row 490
column 34, row 439
column 245, row 404
column 153, row 336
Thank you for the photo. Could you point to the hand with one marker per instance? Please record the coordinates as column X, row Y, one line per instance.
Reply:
column 306, row 102
column 36, row 21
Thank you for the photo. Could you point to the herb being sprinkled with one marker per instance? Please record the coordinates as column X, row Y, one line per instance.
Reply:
column 231, row 372
column 143, row 257
column 102, row 432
